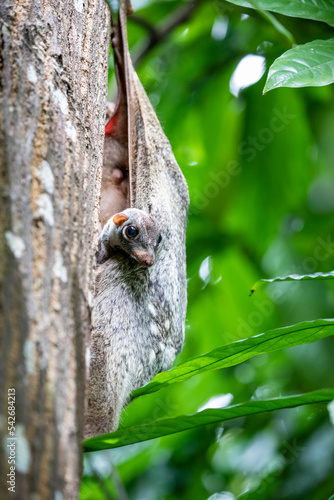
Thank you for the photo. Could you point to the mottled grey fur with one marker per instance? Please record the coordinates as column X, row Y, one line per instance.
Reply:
column 139, row 312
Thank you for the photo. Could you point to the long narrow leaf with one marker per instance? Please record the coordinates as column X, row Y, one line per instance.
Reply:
column 318, row 10
column 294, row 277
column 241, row 350
column 308, row 65
column 166, row 426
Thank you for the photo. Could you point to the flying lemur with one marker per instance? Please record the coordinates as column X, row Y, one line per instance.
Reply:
column 140, row 298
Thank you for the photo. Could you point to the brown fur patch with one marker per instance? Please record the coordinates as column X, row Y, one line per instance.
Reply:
column 119, row 219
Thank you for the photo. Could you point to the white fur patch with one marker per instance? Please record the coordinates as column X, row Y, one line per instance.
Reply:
column 152, row 356
column 154, row 329
column 152, row 309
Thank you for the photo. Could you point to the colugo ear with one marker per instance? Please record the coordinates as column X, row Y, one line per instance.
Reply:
column 119, row 219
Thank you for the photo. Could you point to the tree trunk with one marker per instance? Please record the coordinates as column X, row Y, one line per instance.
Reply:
column 53, row 80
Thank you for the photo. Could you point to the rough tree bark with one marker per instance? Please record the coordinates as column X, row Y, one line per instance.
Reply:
column 53, row 75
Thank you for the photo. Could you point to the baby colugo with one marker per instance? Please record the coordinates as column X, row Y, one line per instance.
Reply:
column 132, row 231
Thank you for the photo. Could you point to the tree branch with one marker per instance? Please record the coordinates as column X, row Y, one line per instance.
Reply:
column 158, row 34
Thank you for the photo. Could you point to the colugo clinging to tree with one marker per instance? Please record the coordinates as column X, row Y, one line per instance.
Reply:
column 140, row 300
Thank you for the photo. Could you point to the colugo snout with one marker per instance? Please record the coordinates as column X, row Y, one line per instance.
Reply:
column 132, row 231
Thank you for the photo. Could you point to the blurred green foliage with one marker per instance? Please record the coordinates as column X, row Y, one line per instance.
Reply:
column 261, row 181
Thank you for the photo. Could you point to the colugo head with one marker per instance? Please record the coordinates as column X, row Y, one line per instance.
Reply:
column 135, row 232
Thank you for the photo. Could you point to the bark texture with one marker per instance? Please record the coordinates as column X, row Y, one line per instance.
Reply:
column 53, row 76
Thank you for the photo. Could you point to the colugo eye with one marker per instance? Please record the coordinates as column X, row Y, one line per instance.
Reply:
column 131, row 232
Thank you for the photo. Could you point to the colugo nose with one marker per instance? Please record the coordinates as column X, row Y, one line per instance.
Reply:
column 149, row 261
column 144, row 258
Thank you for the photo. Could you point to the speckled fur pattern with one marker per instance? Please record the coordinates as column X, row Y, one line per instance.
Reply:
column 139, row 313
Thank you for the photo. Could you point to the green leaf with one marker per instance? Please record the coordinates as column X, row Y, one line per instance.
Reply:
column 166, row 426
column 294, row 277
column 241, row 350
column 308, row 65
column 318, row 10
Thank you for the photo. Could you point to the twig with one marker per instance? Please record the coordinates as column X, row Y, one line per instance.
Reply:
column 160, row 33
column 145, row 23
